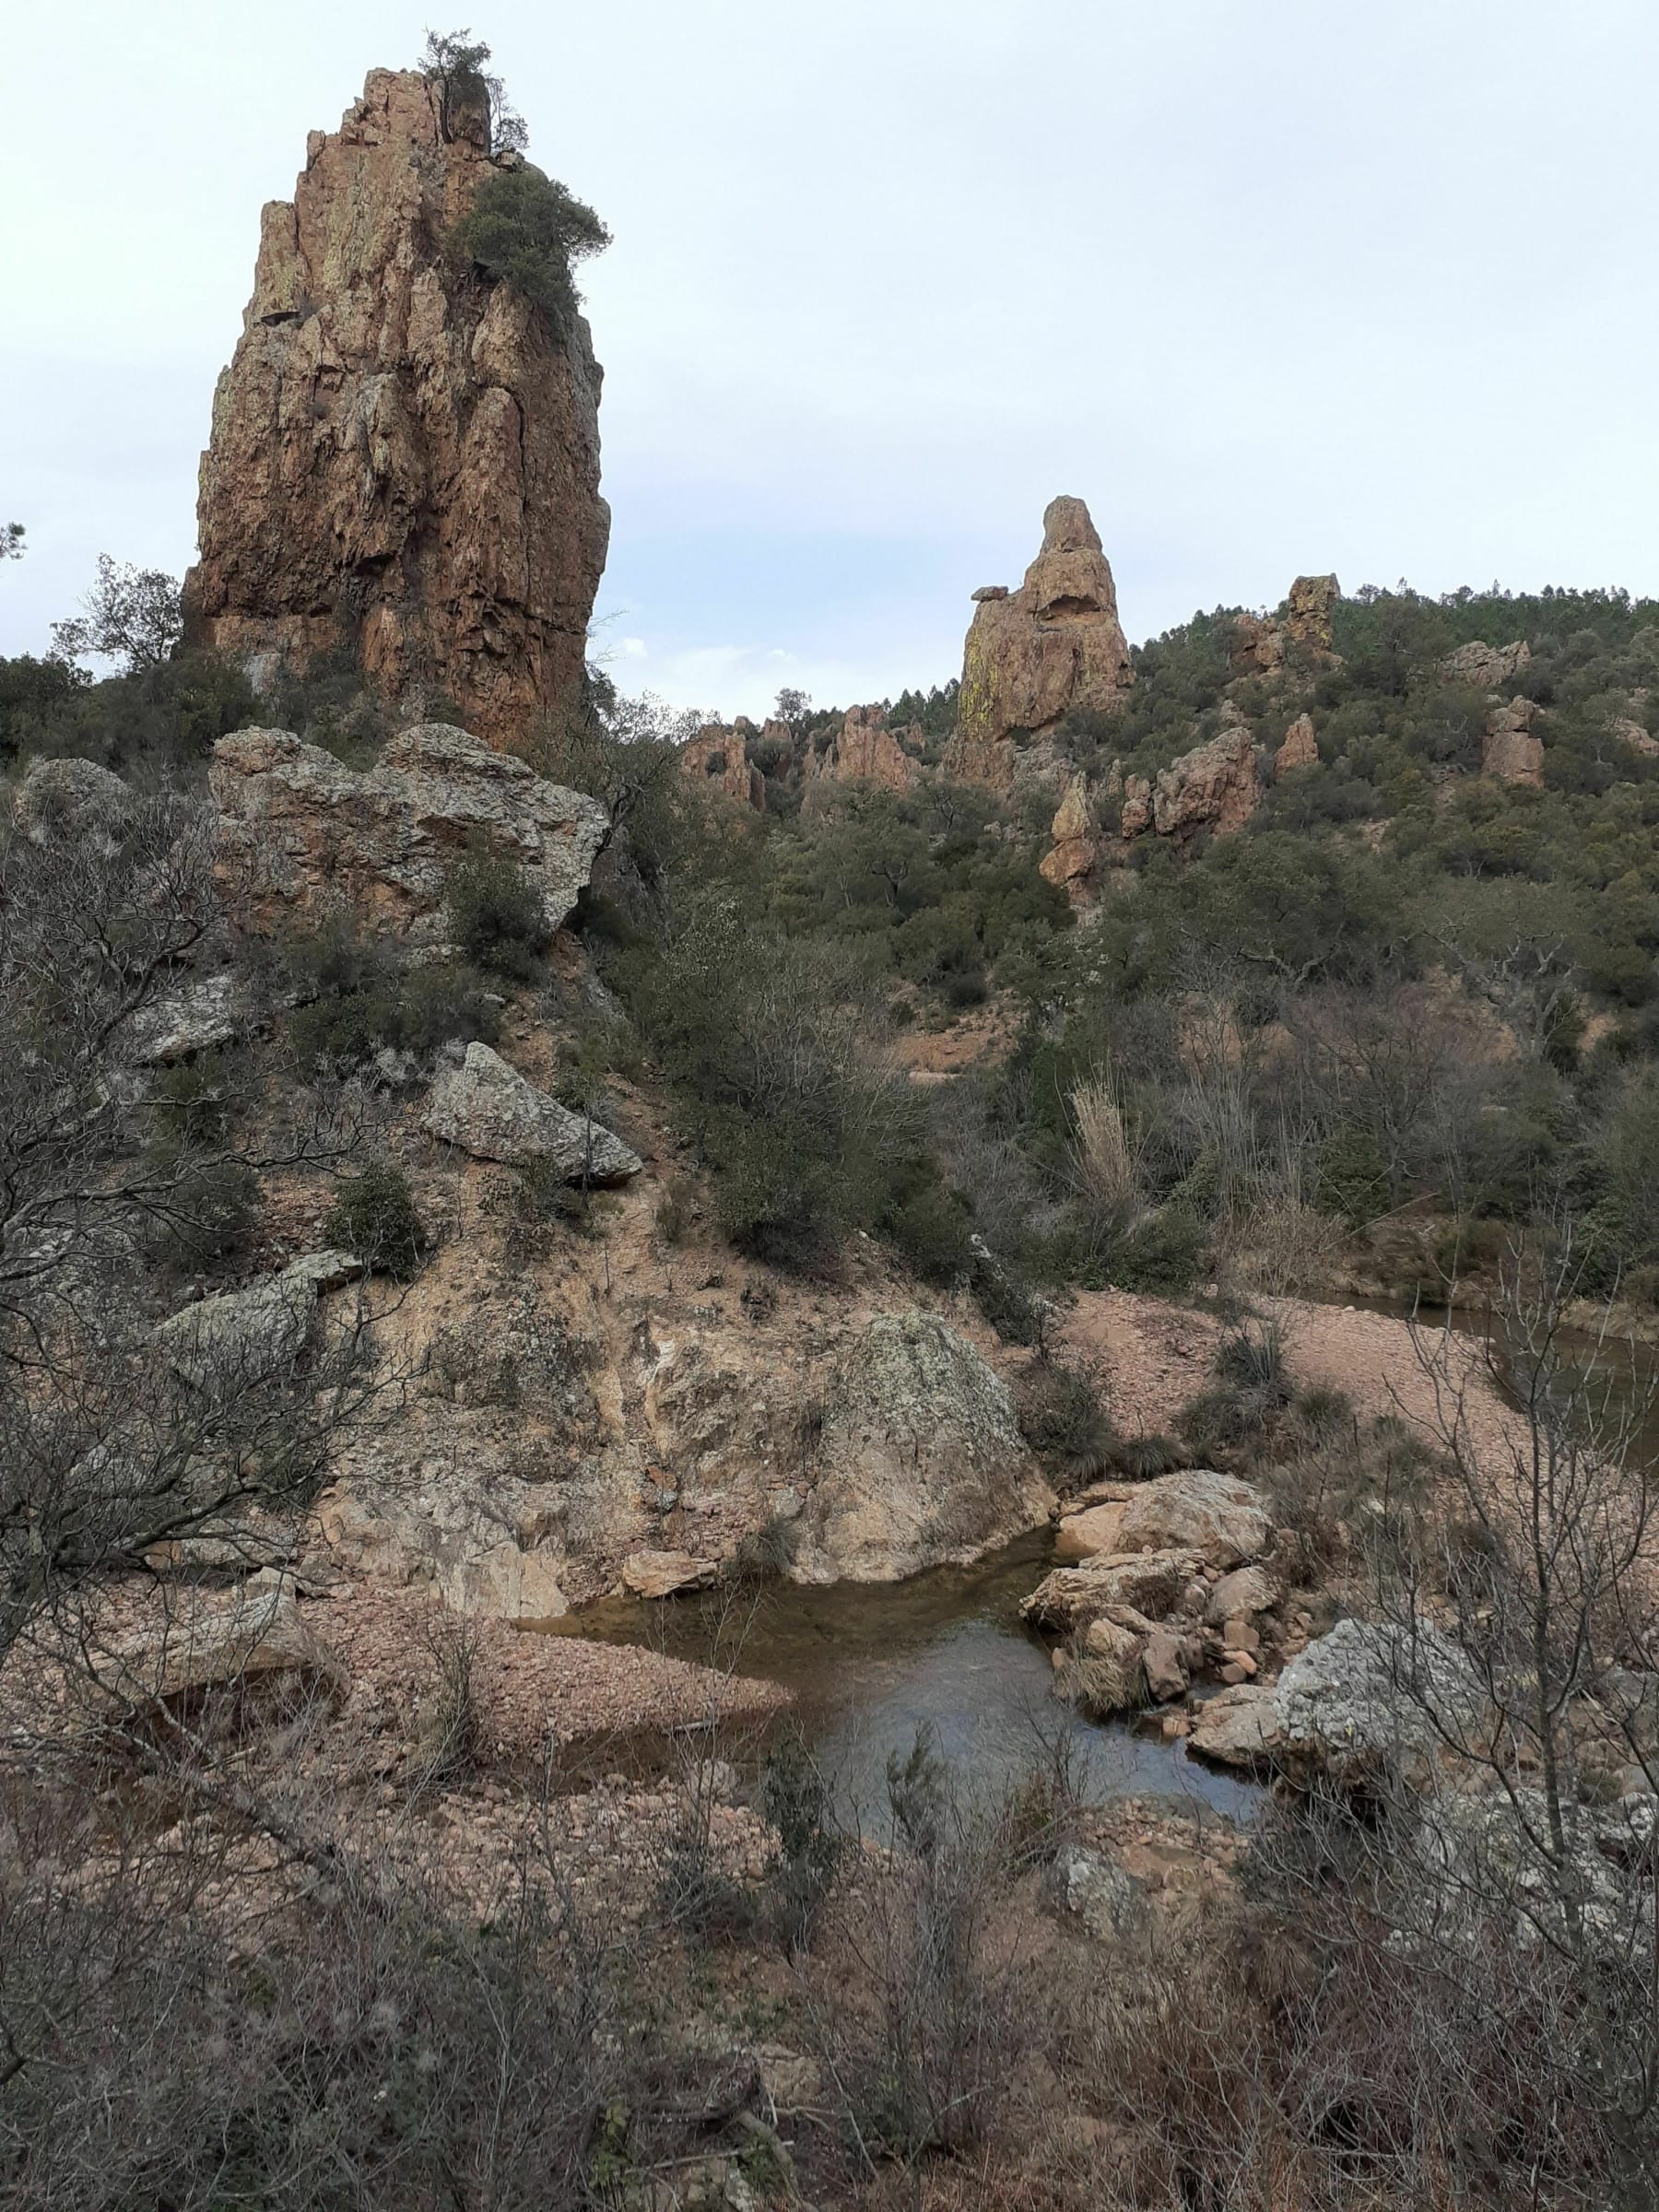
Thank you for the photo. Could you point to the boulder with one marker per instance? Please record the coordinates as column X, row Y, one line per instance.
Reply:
column 1362, row 1704
column 1153, row 1582
column 661, row 1574
column 1635, row 735
column 189, row 1018
column 1214, row 787
column 489, row 1110
column 245, row 1639
column 1091, row 1532
column 1241, row 1595
column 241, row 1338
column 1095, row 1890
column 1487, row 666
column 1032, row 657
column 405, row 458
column 1102, row 1670
column 1237, row 1727
column 481, row 1539
column 1508, row 750
column 1298, row 747
column 301, row 831
column 920, row 1460
column 1164, row 1662
column 1222, row 1519
column 1071, row 858
column 69, row 798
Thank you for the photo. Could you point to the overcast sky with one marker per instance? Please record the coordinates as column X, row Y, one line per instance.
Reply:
column 1274, row 285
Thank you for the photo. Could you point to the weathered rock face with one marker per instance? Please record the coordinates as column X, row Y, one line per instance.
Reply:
column 404, row 460
column 241, row 1338
column 1365, row 1702
column 866, row 751
column 717, row 759
column 301, row 831
column 1508, row 749
column 1070, row 860
column 1035, row 654
column 920, row 1459
column 491, row 1111
column 1490, row 667
column 1214, row 787
column 1298, row 748
column 1300, row 631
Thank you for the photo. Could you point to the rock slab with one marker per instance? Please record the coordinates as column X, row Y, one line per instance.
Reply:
column 490, row 1111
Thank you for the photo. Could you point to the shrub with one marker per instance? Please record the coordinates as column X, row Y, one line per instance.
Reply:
column 796, row 1800
column 374, row 1216
column 1163, row 1256
column 928, row 1227
column 1351, row 1176
column 1062, row 1416
column 525, row 228
column 496, row 915
column 357, row 999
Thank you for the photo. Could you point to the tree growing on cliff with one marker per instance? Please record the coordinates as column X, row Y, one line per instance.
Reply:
column 454, row 61
column 526, row 230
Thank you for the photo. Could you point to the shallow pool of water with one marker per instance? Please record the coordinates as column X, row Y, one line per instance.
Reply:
column 945, row 1652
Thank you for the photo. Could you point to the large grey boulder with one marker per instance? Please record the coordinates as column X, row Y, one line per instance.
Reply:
column 1219, row 1516
column 1237, row 1727
column 244, row 1338
column 1372, row 1700
column 70, row 796
column 490, row 1111
column 194, row 1016
column 248, row 1637
column 920, row 1460
column 301, row 831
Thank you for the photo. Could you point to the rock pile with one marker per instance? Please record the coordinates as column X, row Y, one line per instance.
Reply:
column 1171, row 1586
column 404, row 459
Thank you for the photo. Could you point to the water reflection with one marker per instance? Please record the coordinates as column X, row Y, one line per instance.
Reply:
column 871, row 1664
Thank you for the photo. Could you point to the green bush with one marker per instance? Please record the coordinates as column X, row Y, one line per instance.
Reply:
column 1163, row 1256
column 496, row 915
column 1351, row 1176
column 374, row 1216
column 525, row 228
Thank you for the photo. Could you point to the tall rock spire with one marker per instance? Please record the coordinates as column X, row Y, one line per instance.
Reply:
column 405, row 459
column 1036, row 654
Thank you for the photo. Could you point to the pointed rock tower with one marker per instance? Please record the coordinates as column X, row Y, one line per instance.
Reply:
column 405, row 458
column 1035, row 654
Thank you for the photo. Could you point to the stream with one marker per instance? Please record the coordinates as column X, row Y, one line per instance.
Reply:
column 945, row 1652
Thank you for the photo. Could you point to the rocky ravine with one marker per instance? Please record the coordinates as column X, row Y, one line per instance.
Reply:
column 404, row 459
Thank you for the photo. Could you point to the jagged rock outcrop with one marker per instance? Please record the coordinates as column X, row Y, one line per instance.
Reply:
column 717, row 759
column 1299, row 631
column 866, row 751
column 1033, row 655
column 301, row 831
column 1369, row 1700
column 489, row 1110
column 1298, row 747
column 1490, row 667
column 1508, row 750
column 405, row 459
column 1634, row 734
column 1070, row 860
column 1214, row 787
column 920, row 1459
